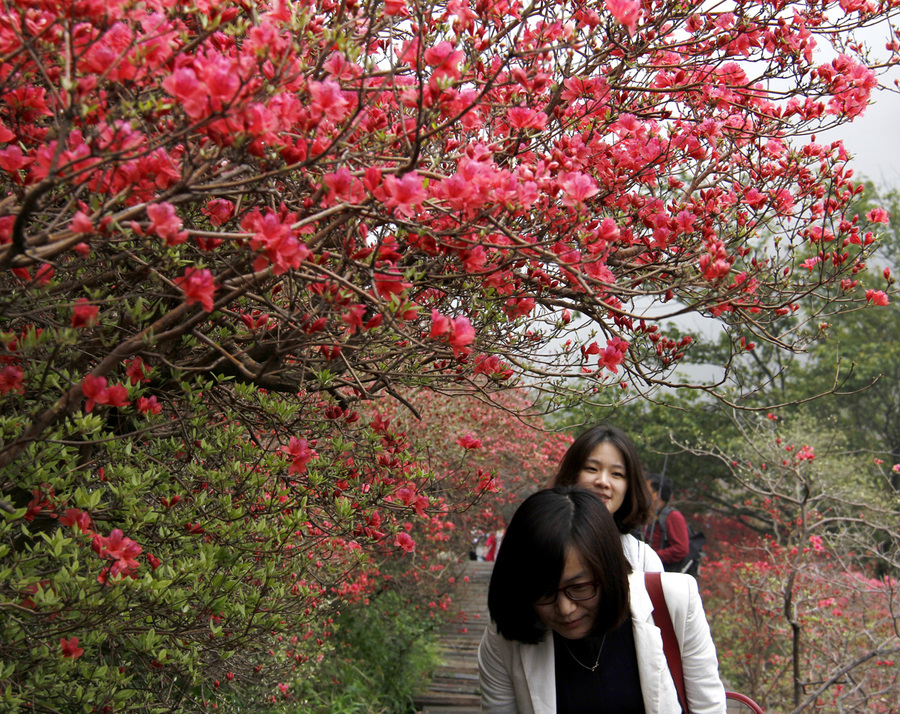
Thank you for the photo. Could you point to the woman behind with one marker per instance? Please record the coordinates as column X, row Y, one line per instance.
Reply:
column 604, row 460
column 573, row 631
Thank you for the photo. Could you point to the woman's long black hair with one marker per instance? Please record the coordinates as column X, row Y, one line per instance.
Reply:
column 532, row 557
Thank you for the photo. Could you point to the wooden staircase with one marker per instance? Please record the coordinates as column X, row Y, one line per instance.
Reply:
column 454, row 686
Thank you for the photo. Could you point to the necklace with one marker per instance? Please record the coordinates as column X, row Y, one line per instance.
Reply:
column 596, row 662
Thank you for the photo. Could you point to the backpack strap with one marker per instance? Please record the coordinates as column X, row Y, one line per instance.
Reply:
column 663, row 621
column 661, row 518
column 661, row 515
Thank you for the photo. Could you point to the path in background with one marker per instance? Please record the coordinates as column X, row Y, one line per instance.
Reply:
column 454, row 686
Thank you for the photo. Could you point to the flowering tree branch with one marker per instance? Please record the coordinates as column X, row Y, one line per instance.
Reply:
column 255, row 228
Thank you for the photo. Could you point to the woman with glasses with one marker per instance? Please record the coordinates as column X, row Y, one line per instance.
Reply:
column 604, row 460
column 573, row 632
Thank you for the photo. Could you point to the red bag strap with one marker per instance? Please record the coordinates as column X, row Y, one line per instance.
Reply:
column 663, row 621
column 746, row 701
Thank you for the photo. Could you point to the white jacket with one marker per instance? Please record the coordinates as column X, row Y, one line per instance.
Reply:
column 641, row 556
column 517, row 678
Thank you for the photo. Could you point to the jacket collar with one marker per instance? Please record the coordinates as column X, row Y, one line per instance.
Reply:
column 639, row 599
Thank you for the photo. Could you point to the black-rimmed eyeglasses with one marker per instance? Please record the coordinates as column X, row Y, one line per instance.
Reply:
column 575, row 593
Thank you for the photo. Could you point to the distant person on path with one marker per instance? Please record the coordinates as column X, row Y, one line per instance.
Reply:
column 668, row 534
column 491, row 545
column 603, row 459
column 573, row 632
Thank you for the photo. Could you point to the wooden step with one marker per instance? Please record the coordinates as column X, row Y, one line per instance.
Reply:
column 454, row 685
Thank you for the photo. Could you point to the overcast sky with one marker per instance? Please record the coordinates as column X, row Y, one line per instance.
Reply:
column 874, row 140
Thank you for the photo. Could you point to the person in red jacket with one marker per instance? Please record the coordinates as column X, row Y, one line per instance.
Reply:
column 668, row 534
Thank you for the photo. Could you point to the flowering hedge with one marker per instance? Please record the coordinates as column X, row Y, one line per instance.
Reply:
column 849, row 658
column 184, row 569
column 803, row 609
column 226, row 226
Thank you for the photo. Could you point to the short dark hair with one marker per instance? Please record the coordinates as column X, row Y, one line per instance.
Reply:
column 662, row 485
column 635, row 509
column 532, row 558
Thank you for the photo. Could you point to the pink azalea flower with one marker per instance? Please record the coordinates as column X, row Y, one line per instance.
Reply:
column 577, row 188
column 440, row 324
column 272, row 232
column 878, row 215
column 149, row 405
column 135, row 371
column 117, row 395
column 70, row 648
column 806, row 453
column 81, row 223
column 5, row 134
column 96, row 391
column 219, row 211
column 165, row 223
column 626, row 12
column 684, row 221
column 525, row 118
column 493, row 367
column 389, row 282
column 185, row 86
column 11, row 380
column 404, row 541
column 519, row 307
column 811, row 263
column 328, row 99
column 474, row 259
column 84, row 314
column 198, row 286
column 469, row 442
column 120, row 551
column 12, row 159
column 94, row 388
column 395, row 7
column 444, row 59
column 609, row 231
column 404, row 193
column 463, row 334
column 344, row 186
column 613, row 354
column 354, row 318
column 877, row 297
column 44, row 274
column 6, row 228
column 76, row 519
column 301, row 454
column 409, row 51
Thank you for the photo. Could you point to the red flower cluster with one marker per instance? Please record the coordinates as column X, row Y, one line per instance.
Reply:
column 198, row 286
column 96, row 391
column 120, row 551
column 458, row 331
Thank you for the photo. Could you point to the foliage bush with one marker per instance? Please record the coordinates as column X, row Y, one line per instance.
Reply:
column 226, row 226
column 383, row 654
column 229, row 572
column 849, row 658
column 803, row 610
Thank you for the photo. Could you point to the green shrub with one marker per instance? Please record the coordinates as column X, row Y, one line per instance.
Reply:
column 383, row 653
